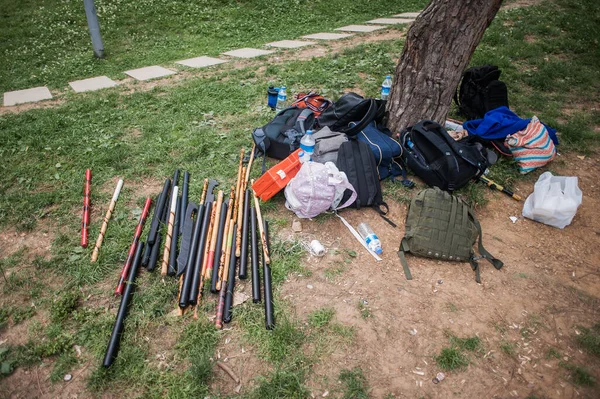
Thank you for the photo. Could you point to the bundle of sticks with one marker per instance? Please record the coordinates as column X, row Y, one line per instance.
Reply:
column 203, row 245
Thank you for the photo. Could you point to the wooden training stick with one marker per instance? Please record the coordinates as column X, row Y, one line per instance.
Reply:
column 261, row 228
column 238, row 239
column 167, row 250
column 250, row 164
column 109, row 212
column 238, row 184
column 204, row 265
column 204, row 188
column 240, row 209
column 209, row 259
column 228, row 222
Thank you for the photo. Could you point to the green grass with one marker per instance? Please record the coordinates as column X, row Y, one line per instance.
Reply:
column 355, row 385
column 363, row 308
column 199, row 125
column 451, row 359
column 64, row 305
column 321, row 317
column 579, row 375
column 508, row 348
column 471, row 344
column 48, row 43
column 589, row 340
column 552, row 354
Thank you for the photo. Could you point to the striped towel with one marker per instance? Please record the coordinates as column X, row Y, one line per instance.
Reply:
column 532, row 146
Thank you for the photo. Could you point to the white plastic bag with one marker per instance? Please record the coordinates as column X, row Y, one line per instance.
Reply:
column 554, row 200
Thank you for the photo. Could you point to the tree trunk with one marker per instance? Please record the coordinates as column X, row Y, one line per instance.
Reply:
column 438, row 48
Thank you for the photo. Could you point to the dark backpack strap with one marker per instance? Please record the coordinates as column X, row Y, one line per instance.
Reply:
column 368, row 118
column 475, row 267
column 482, row 251
column 401, row 250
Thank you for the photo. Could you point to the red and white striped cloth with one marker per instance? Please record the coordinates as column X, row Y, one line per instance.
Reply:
column 531, row 147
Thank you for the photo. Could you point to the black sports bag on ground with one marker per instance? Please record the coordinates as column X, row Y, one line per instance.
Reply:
column 352, row 108
column 357, row 161
column 440, row 161
column 480, row 91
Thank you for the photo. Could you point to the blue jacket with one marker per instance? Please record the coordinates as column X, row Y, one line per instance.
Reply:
column 499, row 123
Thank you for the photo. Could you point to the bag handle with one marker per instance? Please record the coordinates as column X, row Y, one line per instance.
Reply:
column 451, row 163
column 306, row 118
column 346, row 184
column 364, row 122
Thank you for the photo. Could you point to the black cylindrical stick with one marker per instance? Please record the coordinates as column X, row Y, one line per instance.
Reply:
column 148, row 247
column 115, row 337
column 155, row 252
column 184, row 199
column 187, row 280
column 269, row 315
column 197, row 265
column 254, row 257
column 173, row 253
column 158, row 212
column 217, row 257
column 244, row 249
column 227, row 315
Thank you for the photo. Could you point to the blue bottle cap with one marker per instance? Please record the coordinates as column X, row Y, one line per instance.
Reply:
column 388, row 77
column 309, row 132
column 378, row 251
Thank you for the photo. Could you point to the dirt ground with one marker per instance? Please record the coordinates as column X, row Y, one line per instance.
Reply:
column 549, row 286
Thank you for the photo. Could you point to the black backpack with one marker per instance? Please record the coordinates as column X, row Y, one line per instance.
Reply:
column 280, row 137
column 440, row 161
column 480, row 91
column 357, row 161
column 352, row 108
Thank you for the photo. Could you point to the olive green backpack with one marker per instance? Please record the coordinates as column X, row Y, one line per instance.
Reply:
column 441, row 226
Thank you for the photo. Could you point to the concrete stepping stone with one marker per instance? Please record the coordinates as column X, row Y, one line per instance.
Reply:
column 247, row 52
column 151, row 72
column 327, row 36
column 91, row 84
column 360, row 28
column 390, row 21
column 26, row 96
column 408, row 15
column 201, row 62
column 290, row 44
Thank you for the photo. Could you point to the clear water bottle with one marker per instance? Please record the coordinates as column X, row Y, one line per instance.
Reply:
column 370, row 238
column 386, row 86
column 281, row 99
column 303, row 157
column 307, row 144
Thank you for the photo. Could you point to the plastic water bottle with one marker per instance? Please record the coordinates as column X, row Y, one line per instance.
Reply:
column 370, row 238
column 303, row 157
column 281, row 99
column 307, row 144
column 386, row 86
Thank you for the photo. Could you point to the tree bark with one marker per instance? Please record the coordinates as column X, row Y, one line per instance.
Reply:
column 438, row 48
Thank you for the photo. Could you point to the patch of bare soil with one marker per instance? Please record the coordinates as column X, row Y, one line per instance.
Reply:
column 549, row 285
column 34, row 382
column 34, row 243
column 520, row 3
